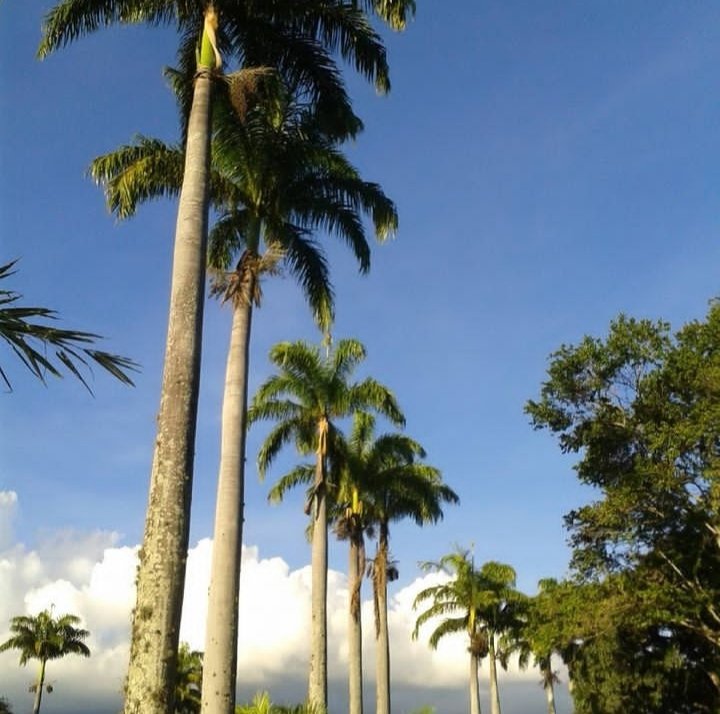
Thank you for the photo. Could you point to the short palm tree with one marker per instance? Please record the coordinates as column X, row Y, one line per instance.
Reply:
column 307, row 398
column 30, row 340
column 300, row 39
column 456, row 602
column 44, row 638
column 501, row 608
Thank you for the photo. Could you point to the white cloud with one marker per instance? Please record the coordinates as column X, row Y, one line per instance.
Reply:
column 90, row 575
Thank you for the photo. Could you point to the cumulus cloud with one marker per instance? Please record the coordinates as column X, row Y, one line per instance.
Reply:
column 92, row 575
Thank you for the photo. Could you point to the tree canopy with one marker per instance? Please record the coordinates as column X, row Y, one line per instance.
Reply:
column 641, row 408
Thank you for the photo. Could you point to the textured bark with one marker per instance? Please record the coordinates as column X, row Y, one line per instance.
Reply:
column 221, row 637
column 494, row 691
column 39, row 687
column 317, row 685
column 161, row 573
column 382, row 638
column 356, row 570
column 474, row 685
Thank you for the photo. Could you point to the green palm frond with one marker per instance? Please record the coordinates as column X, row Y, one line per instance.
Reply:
column 136, row 173
column 29, row 341
column 282, row 433
column 307, row 263
column 300, row 475
column 371, row 393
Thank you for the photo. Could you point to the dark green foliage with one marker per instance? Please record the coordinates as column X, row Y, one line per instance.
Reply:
column 642, row 410
column 188, row 680
column 30, row 340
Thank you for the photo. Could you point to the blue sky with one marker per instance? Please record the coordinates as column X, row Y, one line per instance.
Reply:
column 553, row 163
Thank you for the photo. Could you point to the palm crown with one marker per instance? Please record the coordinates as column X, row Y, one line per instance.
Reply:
column 276, row 178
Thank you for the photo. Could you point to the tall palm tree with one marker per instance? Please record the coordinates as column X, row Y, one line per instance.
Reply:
column 275, row 179
column 299, row 39
column 306, row 399
column 291, row 180
column 399, row 486
column 457, row 601
column 351, row 522
column 72, row 346
column 44, row 637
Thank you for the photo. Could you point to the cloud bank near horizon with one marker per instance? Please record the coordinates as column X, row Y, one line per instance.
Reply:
column 92, row 575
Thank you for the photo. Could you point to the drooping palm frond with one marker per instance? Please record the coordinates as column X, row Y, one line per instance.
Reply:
column 300, row 39
column 30, row 340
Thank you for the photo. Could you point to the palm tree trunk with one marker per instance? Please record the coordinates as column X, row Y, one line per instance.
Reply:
column 317, row 686
column 494, row 691
column 161, row 573
column 39, row 687
column 382, row 638
column 355, row 573
column 474, row 685
column 550, row 696
column 221, row 636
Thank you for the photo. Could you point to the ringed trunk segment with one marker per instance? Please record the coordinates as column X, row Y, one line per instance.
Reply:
column 221, row 638
column 161, row 572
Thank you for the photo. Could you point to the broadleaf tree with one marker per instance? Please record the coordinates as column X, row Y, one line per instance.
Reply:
column 641, row 410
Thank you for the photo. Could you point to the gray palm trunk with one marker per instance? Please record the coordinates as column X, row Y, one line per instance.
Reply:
column 221, row 636
column 382, row 638
column 474, row 684
column 492, row 660
column 39, row 685
column 356, row 568
column 161, row 572
column 317, row 685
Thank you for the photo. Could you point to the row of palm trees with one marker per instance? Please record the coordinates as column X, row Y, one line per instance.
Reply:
column 261, row 146
column 361, row 483
column 498, row 620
